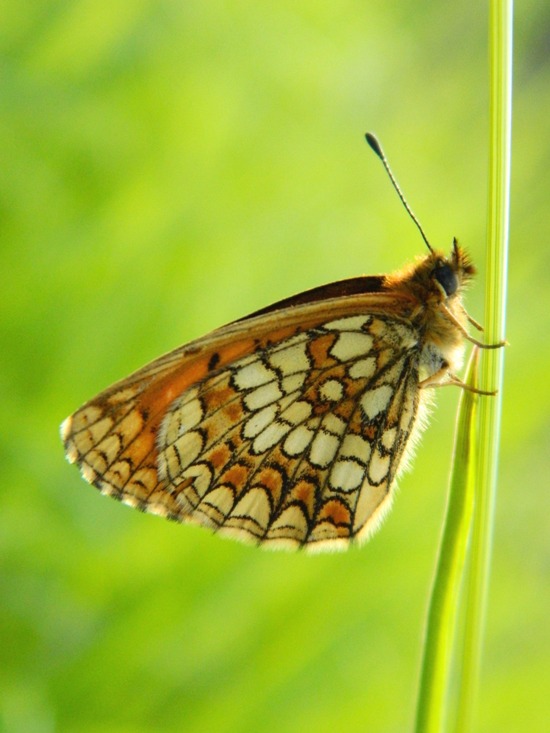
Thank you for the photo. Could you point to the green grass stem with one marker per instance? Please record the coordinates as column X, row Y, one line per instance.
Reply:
column 500, row 44
column 474, row 471
column 444, row 601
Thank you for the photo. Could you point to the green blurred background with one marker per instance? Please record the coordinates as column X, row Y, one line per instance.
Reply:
column 168, row 167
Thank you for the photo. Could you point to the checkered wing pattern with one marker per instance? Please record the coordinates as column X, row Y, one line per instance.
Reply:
column 295, row 443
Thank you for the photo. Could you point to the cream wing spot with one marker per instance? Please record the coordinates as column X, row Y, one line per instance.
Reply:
column 109, row 448
column 81, row 420
column 346, row 475
column 221, row 497
column 297, row 412
column 349, row 323
column 298, row 440
column 376, row 400
column 259, row 421
column 190, row 414
column 201, row 475
column 373, row 502
column 388, row 438
column 291, row 523
column 122, row 395
column 254, row 505
column 351, row 345
column 119, row 472
column 291, row 360
column 169, row 429
column 253, row 375
column 355, row 446
column 262, row 396
column 270, row 436
column 323, row 449
column 331, row 390
column 293, row 383
column 379, row 466
column 363, row 369
column 184, row 451
column 333, row 424
column 170, row 425
column 91, row 434
column 97, row 462
column 183, row 415
column 143, row 482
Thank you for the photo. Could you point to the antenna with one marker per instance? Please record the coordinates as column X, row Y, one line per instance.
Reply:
column 375, row 145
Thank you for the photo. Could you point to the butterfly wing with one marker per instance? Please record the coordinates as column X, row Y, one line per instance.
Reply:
column 283, row 429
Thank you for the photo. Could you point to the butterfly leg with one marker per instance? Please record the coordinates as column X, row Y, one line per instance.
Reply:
column 465, row 333
column 435, row 380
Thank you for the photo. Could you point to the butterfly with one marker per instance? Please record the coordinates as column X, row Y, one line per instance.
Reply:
column 287, row 428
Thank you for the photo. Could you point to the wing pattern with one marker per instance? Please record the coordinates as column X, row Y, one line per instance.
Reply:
column 297, row 444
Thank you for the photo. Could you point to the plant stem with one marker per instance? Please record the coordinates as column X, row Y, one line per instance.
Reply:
column 444, row 600
column 500, row 43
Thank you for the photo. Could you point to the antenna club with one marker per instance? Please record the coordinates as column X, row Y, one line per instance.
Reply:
column 377, row 148
column 374, row 144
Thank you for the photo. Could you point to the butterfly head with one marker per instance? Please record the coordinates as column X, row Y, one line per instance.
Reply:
column 450, row 274
column 434, row 278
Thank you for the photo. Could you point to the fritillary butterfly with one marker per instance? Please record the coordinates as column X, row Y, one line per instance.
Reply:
column 287, row 428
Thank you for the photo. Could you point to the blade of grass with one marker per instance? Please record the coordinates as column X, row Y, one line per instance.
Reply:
column 444, row 600
column 500, row 43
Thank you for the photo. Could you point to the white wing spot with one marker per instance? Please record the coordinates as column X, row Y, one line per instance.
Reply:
column 388, row 438
column 270, row 437
column 346, row 475
column 256, row 505
column 222, row 498
column 333, row 424
column 291, row 360
column 378, row 467
column 293, row 383
column 298, row 412
column 189, row 415
column 355, row 446
column 253, row 375
column 363, row 369
column 376, row 400
column 262, row 396
column 292, row 518
column 298, row 440
column 323, row 449
column 332, row 390
column 189, row 447
column 349, row 323
column 351, row 345
column 259, row 421
column 201, row 475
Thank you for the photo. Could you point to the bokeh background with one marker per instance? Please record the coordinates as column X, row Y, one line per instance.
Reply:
column 168, row 167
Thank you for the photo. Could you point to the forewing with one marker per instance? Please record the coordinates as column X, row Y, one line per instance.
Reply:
column 286, row 429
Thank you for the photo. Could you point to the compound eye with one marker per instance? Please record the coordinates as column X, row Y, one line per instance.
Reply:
column 446, row 277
